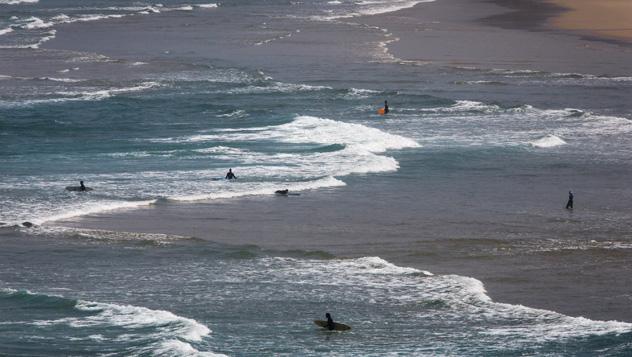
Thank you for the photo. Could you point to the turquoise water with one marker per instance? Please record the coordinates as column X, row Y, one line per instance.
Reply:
column 164, row 129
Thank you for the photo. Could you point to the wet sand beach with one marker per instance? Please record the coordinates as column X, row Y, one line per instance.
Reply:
column 498, row 34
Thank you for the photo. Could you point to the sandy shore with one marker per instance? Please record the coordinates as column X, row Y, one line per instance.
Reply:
column 500, row 34
column 602, row 18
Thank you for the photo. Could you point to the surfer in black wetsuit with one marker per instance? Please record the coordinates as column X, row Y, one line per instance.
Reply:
column 331, row 325
column 230, row 175
column 81, row 186
column 569, row 204
column 282, row 192
column 385, row 107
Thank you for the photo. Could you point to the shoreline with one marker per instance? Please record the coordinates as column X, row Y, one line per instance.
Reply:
column 496, row 35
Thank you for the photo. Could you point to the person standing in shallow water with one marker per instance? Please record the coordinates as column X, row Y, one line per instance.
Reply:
column 569, row 204
column 230, row 175
column 386, row 107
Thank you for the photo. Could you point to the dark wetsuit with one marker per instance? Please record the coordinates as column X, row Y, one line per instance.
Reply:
column 385, row 107
column 82, row 187
column 230, row 175
column 331, row 325
column 569, row 204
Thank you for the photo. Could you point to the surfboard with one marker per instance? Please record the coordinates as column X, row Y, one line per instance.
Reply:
column 381, row 111
column 338, row 326
column 77, row 188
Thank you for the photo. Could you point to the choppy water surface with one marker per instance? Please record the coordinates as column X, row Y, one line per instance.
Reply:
column 157, row 130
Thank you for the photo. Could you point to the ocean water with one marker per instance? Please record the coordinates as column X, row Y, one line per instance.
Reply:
column 160, row 125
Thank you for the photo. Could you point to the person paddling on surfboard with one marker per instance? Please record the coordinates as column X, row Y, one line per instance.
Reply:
column 331, row 325
column 230, row 175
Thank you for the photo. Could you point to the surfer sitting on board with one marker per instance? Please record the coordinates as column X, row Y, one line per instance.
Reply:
column 81, row 186
column 331, row 325
column 230, row 175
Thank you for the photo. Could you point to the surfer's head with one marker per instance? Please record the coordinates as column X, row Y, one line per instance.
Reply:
column 327, row 315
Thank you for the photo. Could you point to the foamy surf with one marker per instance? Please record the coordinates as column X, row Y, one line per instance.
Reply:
column 548, row 141
column 134, row 330
column 342, row 10
column 17, row 2
column 91, row 94
column 337, row 149
column 458, row 297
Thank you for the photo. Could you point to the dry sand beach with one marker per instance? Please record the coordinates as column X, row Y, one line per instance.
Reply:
column 606, row 18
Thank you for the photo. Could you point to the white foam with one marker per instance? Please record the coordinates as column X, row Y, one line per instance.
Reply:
column 87, row 95
column 207, row 6
column 65, row 80
column 376, row 265
column 170, row 333
column 234, row 114
column 179, row 348
column 184, row 8
column 356, row 93
column 6, row 31
column 326, row 131
column 367, row 8
column 35, row 23
column 92, row 208
column 548, row 141
column 17, row 2
column 265, row 188
column 107, row 93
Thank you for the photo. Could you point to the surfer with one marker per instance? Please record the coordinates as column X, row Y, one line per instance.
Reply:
column 331, row 325
column 569, row 204
column 230, row 175
column 81, row 186
column 385, row 107
column 282, row 192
